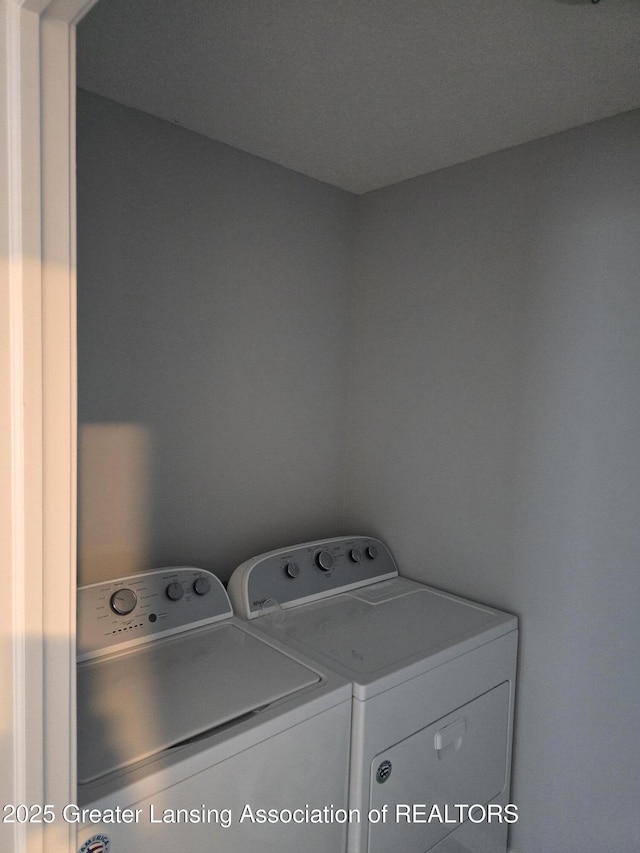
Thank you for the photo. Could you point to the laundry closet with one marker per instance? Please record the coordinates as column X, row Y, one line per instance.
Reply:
column 448, row 363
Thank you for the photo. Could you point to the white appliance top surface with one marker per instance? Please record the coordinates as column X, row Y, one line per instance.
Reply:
column 370, row 635
column 135, row 704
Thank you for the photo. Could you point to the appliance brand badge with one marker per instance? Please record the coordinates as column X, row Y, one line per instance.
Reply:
column 96, row 844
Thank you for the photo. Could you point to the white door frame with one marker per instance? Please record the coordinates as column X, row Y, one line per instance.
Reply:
column 37, row 417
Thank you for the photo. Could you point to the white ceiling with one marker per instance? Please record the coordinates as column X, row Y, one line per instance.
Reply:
column 365, row 93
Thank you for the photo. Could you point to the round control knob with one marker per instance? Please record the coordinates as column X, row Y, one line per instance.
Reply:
column 201, row 586
column 123, row 601
column 175, row 591
column 324, row 561
column 372, row 552
column 355, row 555
column 292, row 569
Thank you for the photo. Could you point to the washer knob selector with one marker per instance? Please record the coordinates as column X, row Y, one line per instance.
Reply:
column 123, row 601
column 175, row 591
column 292, row 569
column 201, row 586
column 324, row 561
column 355, row 555
column 372, row 552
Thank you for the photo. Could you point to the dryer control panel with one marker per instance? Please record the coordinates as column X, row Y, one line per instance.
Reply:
column 128, row 611
column 308, row 572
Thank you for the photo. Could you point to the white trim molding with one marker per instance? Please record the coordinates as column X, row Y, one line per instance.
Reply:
column 38, row 415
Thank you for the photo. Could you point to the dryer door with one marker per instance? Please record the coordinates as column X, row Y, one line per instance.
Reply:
column 459, row 760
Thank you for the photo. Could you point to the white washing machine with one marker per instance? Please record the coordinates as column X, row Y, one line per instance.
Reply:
column 196, row 732
column 433, row 679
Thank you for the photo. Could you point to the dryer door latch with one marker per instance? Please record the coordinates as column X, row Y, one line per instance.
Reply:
column 449, row 738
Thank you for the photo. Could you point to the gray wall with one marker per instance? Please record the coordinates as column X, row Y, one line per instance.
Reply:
column 213, row 288
column 494, row 442
column 485, row 346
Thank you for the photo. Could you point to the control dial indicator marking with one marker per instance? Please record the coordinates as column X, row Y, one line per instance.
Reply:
column 292, row 570
column 201, row 586
column 123, row 601
column 325, row 561
column 175, row 591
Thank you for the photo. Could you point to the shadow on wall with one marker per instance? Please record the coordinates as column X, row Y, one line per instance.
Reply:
column 114, row 525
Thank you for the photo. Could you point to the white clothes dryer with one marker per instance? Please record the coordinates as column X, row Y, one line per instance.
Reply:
column 197, row 732
column 433, row 680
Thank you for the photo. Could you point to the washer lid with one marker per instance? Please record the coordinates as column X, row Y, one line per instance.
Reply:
column 135, row 704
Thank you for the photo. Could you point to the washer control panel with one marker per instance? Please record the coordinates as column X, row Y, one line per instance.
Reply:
column 132, row 610
column 292, row 576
